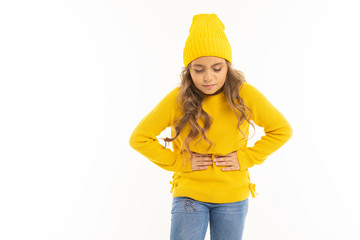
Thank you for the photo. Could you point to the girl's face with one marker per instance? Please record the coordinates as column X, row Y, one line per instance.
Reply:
column 208, row 73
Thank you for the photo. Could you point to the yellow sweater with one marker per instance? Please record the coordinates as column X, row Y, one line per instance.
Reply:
column 213, row 184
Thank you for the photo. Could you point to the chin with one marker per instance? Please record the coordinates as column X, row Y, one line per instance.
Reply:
column 210, row 92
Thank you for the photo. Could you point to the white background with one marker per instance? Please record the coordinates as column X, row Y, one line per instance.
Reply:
column 77, row 76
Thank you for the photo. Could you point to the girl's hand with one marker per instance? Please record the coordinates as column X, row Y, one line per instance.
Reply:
column 200, row 161
column 230, row 161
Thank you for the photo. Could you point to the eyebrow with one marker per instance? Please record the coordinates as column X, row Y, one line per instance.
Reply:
column 200, row 65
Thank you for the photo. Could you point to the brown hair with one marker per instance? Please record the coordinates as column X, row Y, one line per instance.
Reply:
column 191, row 99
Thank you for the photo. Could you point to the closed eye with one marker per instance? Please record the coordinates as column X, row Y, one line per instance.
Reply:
column 215, row 69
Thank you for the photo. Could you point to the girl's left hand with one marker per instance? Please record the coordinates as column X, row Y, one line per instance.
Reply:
column 230, row 161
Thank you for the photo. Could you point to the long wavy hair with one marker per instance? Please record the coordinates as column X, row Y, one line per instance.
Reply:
column 190, row 100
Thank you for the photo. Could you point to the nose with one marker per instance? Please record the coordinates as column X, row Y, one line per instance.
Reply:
column 207, row 76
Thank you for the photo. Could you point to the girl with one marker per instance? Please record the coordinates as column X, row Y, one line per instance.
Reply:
column 209, row 115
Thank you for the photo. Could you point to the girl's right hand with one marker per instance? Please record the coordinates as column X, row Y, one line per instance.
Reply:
column 200, row 161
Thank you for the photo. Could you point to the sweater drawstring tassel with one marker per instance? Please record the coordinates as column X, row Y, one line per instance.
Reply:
column 174, row 182
column 252, row 189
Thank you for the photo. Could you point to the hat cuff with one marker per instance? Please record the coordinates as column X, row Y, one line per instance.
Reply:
column 207, row 47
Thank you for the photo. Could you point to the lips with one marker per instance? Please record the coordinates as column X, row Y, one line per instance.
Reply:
column 209, row 86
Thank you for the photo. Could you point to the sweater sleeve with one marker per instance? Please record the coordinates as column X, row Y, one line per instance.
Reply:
column 277, row 129
column 144, row 137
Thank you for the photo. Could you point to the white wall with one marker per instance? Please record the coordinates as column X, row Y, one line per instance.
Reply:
column 77, row 76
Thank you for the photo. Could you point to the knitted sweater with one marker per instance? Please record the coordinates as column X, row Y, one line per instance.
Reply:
column 213, row 184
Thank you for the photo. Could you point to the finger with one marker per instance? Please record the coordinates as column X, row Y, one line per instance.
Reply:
column 203, row 159
column 226, row 159
column 200, row 168
column 200, row 154
column 224, row 163
column 223, row 158
column 227, row 164
column 208, row 161
column 203, row 163
column 230, row 169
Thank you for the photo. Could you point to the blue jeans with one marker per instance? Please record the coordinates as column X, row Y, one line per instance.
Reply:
column 190, row 218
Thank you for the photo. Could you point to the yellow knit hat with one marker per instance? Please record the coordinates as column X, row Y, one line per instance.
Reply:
column 206, row 38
